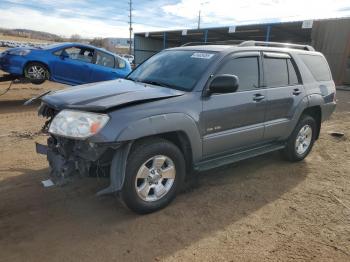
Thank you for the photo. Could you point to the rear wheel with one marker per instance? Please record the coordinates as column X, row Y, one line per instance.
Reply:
column 302, row 139
column 37, row 73
column 154, row 174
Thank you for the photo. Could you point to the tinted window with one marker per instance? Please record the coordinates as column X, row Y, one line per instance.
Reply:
column 247, row 70
column 79, row 53
column 318, row 67
column 176, row 69
column 293, row 78
column 104, row 59
column 276, row 72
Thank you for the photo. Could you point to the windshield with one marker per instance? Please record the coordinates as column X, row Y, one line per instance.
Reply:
column 176, row 69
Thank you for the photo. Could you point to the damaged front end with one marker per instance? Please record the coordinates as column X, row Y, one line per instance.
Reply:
column 68, row 156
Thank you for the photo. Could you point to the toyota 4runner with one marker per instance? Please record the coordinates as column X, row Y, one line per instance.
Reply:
column 184, row 109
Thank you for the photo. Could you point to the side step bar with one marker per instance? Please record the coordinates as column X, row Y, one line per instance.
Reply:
column 232, row 158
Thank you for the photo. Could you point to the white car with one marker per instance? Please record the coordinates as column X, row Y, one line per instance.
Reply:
column 128, row 57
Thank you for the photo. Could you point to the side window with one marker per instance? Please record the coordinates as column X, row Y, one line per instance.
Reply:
column 58, row 52
column 275, row 72
column 246, row 69
column 293, row 77
column 104, row 59
column 80, row 53
column 318, row 67
column 120, row 63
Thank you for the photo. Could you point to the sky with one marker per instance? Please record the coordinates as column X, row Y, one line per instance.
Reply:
column 109, row 18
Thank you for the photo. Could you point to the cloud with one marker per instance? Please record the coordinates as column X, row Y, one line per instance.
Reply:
column 109, row 18
column 19, row 17
column 59, row 25
column 218, row 12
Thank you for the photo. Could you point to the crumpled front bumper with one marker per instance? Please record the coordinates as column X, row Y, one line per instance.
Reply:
column 12, row 64
column 68, row 157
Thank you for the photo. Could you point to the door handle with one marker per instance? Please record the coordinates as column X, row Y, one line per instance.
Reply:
column 296, row 92
column 258, row 97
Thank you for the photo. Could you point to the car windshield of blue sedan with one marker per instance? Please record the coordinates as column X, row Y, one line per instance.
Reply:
column 174, row 69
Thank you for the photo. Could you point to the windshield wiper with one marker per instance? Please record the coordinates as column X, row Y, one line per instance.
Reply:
column 154, row 82
column 157, row 83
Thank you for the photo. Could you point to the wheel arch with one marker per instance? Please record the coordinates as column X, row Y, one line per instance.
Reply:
column 36, row 61
column 316, row 113
column 178, row 138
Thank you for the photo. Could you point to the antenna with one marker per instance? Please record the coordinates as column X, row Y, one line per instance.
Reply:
column 130, row 25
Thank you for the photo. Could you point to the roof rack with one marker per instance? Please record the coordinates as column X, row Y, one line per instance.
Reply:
column 224, row 42
column 277, row 44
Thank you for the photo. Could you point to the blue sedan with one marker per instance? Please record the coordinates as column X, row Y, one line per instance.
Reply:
column 68, row 63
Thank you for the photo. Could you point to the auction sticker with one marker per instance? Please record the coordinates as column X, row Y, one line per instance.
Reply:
column 202, row 55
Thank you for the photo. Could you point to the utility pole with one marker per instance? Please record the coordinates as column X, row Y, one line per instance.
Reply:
column 199, row 19
column 130, row 26
column 199, row 13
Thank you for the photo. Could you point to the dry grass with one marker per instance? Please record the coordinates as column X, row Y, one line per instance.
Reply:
column 22, row 39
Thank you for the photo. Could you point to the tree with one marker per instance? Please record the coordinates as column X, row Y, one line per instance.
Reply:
column 75, row 38
column 97, row 41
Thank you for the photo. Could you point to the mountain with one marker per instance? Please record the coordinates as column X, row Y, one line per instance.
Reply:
column 31, row 34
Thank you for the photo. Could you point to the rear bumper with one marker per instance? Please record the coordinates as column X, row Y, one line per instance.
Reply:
column 327, row 110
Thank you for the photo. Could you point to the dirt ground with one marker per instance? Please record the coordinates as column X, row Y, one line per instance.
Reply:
column 262, row 209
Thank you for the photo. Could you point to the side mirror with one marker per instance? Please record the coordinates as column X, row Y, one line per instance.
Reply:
column 222, row 84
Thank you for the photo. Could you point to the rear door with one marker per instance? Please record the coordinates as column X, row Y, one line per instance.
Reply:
column 73, row 65
column 234, row 121
column 284, row 93
column 104, row 67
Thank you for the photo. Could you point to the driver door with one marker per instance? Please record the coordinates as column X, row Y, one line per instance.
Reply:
column 234, row 121
column 74, row 65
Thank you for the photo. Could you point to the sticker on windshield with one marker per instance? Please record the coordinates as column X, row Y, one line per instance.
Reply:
column 202, row 55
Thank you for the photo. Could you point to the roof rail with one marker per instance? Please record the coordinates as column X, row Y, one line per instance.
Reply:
column 224, row 42
column 277, row 44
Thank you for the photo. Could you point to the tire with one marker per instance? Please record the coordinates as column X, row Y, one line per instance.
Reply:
column 155, row 172
column 37, row 73
column 300, row 143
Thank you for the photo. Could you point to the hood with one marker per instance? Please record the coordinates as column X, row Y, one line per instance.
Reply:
column 102, row 96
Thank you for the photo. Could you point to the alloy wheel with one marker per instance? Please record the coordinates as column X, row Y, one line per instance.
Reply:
column 303, row 140
column 155, row 178
column 36, row 72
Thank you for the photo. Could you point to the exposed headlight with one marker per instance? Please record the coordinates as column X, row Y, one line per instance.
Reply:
column 77, row 124
column 21, row 52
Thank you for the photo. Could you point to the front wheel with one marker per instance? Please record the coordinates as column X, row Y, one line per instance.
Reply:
column 37, row 73
column 302, row 139
column 154, row 174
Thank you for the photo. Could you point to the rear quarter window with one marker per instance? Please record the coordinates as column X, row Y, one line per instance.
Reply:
column 318, row 66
